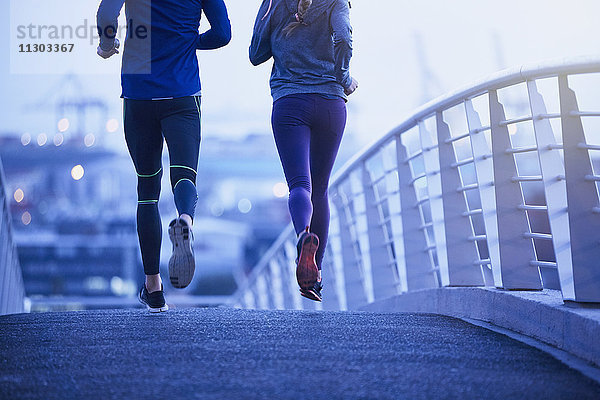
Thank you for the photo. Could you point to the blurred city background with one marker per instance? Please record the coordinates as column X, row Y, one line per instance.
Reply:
column 71, row 183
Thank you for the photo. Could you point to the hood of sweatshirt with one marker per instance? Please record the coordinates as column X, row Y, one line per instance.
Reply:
column 317, row 9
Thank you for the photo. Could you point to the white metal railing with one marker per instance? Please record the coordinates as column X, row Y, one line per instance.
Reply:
column 12, row 290
column 492, row 185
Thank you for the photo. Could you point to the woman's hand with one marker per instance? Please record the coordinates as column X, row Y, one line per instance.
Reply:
column 352, row 88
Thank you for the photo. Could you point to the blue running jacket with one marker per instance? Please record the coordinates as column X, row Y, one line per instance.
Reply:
column 159, row 55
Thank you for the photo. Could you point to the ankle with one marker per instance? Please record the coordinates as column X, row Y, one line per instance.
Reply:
column 188, row 220
column 302, row 232
column 153, row 283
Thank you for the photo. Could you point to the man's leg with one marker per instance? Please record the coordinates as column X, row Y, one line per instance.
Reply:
column 180, row 121
column 144, row 141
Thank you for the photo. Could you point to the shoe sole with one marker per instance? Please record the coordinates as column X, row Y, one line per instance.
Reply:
column 157, row 310
column 307, row 272
column 309, row 294
column 153, row 310
column 181, row 264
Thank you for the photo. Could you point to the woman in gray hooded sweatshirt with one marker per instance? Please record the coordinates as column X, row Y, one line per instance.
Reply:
column 311, row 44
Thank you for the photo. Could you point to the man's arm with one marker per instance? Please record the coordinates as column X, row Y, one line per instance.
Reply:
column 219, row 33
column 106, row 20
column 260, row 47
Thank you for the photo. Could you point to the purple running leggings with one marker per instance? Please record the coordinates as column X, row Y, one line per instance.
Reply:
column 308, row 129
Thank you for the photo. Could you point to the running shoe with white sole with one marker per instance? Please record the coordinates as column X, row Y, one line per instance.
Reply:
column 182, row 263
column 307, row 272
column 155, row 301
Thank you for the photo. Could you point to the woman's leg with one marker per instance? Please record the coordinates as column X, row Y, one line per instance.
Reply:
column 180, row 121
column 326, row 137
column 144, row 141
column 290, row 120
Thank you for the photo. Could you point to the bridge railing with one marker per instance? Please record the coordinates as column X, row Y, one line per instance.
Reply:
column 493, row 185
column 12, row 290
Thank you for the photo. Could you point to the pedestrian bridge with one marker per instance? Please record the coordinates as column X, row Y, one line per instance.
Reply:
column 483, row 205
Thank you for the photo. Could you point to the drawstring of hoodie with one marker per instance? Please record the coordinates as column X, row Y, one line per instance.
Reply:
column 299, row 18
column 268, row 10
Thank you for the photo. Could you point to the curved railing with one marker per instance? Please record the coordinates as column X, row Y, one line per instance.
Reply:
column 493, row 185
column 12, row 290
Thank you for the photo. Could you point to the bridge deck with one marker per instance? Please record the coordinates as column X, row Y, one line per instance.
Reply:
column 221, row 353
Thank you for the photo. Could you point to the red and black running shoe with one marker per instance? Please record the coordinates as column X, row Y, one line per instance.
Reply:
column 313, row 293
column 307, row 272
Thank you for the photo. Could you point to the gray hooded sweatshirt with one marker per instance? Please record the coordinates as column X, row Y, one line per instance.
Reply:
column 315, row 58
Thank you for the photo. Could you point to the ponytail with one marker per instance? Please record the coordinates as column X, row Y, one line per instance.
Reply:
column 303, row 6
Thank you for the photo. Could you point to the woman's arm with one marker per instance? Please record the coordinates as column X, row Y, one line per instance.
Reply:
column 342, row 42
column 260, row 47
column 219, row 33
column 106, row 20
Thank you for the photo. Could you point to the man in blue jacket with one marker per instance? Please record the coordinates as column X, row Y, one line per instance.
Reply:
column 161, row 90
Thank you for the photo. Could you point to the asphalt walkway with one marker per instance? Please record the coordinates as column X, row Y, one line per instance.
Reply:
column 221, row 353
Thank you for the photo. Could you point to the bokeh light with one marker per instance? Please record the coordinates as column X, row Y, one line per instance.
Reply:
column 19, row 195
column 77, row 172
column 112, row 125
column 280, row 190
column 63, row 125
column 216, row 209
column 58, row 139
column 25, row 139
column 244, row 205
column 89, row 140
column 42, row 139
column 26, row 218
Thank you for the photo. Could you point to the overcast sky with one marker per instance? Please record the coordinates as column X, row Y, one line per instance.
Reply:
column 396, row 44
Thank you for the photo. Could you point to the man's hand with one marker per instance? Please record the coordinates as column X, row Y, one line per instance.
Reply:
column 109, row 53
column 352, row 88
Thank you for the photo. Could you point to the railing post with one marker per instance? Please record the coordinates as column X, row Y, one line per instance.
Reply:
column 12, row 289
column 260, row 291
column 4, row 271
column 385, row 279
column 337, row 262
column 330, row 295
column 291, row 284
column 355, row 291
column 420, row 272
column 284, row 267
column 436, row 202
column 462, row 254
column 358, row 221
column 268, row 279
column 553, row 177
column 484, row 169
column 249, row 301
column 582, row 197
column 276, row 285
column 394, row 205
column 516, row 251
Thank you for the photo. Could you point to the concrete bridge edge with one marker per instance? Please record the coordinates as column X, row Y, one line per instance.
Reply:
column 540, row 315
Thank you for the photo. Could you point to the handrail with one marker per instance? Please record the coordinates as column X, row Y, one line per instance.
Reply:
column 391, row 234
column 12, row 290
column 504, row 78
